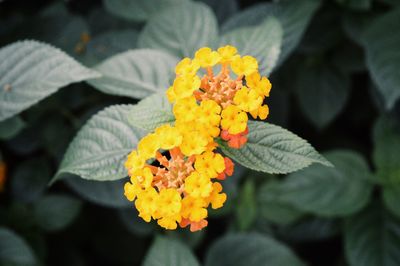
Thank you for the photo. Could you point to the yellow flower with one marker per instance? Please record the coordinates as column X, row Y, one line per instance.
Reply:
column 146, row 203
column 227, row 53
column 210, row 164
column 130, row 191
column 262, row 112
column 184, row 86
column 148, row 146
column 187, row 67
column 170, row 137
column 261, row 85
column 186, row 109
column 198, row 185
column 169, row 203
column 144, row 177
column 134, row 162
column 245, row 65
column 210, row 111
column 234, row 120
column 194, row 208
column 169, row 222
column 206, row 57
column 216, row 198
column 193, row 142
column 247, row 100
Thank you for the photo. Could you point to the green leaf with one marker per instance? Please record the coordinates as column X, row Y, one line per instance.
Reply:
column 274, row 150
column 372, row 238
column 181, row 30
column 294, row 17
column 138, row 10
column 136, row 73
column 328, row 191
column 391, row 198
column 135, row 224
column 322, row 101
column 272, row 208
column 14, row 250
column 109, row 44
column 11, row 127
column 246, row 210
column 56, row 212
column 262, row 42
column 382, row 58
column 30, row 71
column 106, row 193
column 151, row 113
column 223, row 9
column 99, row 149
column 250, row 250
column 29, row 180
column 169, row 252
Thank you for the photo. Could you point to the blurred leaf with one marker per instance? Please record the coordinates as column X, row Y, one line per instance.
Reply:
column 14, row 250
column 11, row 127
column 106, row 193
column 191, row 239
column 223, row 9
column 31, row 71
column 349, row 58
column 356, row 4
column 151, row 112
column 136, row 73
column 56, row 212
column 392, row 2
column 329, row 191
column 134, row 223
column 272, row 208
column 263, row 42
column 382, row 58
column 272, row 149
column 354, row 24
column 30, row 179
column 100, row 147
column 246, row 210
column 181, row 30
column 169, row 252
column 138, row 10
column 109, row 44
column 387, row 151
column 249, row 250
column 322, row 92
column 311, row 229
column 294, row 17
column 391, row 198
column 25, row 142
column 372, row 238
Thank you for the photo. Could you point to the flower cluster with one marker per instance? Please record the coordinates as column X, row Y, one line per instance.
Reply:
column 175, row 170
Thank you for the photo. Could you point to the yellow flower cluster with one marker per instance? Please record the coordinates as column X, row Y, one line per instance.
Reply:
column 174, row 171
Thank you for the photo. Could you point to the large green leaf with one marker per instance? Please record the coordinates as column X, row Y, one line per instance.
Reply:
column 99, row 149
column 31, row 71
column 274, row 150
column 139, row 10
column 246, row 210
column 391, row 198
column 272, row 208
column 169, row 252
column 151, row 112
column 294, row 17
column 263, row 42
column 381, row 41
column 136, row 73
column 106, row 193
column 329, row 191
column 356, row 4
column 223, row 9
column 181, row 30
column 387, row 151
column 14, row 250
column 56, row 212
column 250, row 250
column 372, row 238
column 109, row 44
column 322, row 92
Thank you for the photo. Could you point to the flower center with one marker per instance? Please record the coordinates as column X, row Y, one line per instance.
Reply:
column 172, row 172
column 220, row 88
